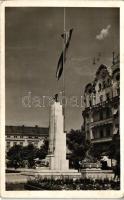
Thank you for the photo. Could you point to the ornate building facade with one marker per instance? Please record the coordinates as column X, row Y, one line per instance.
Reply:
column 102, row 100
column 24, row 135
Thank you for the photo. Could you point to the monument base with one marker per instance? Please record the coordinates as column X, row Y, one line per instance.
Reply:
column 57, row 164
column 54, row 174
column 97, row 173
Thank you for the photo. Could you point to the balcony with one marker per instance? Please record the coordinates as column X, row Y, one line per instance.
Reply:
column 101, row 104
column 101, row 122
column 101, row 140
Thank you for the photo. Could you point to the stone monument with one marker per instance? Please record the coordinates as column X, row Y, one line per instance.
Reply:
column 58, row 164
column 57, row 139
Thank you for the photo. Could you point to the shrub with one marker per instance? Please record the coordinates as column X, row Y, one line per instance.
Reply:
column 70, row 184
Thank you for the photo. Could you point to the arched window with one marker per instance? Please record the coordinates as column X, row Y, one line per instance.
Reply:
column 100, row 86
column 107, row 96
column 101, row 98
column 104, row 85
column 108, row 82
column 90, row 102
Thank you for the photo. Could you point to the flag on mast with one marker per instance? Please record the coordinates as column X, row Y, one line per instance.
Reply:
column 67, row 37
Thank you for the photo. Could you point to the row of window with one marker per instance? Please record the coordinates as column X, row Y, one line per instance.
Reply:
column 108, row 97
column 105, row 114
column 20, row 143
column 102, row 133
column 21, row 136
column 100, row 115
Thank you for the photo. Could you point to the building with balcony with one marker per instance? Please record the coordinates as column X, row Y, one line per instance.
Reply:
column 25, row 135
column 102, row 99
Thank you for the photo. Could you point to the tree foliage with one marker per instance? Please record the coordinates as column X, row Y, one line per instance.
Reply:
column 114, row 149
column 15, row 156
column 43, row 151
column 77, row 145
column 18, row 155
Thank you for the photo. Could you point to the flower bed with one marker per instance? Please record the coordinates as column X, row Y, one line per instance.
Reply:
column 70, row 184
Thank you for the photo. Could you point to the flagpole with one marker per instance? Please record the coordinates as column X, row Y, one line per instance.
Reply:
column 61, row 62
column 64, row 43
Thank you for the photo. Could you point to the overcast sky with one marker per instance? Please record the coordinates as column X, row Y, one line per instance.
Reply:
column 33, row 45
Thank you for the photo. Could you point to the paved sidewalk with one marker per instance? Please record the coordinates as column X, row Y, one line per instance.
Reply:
column 15, row 178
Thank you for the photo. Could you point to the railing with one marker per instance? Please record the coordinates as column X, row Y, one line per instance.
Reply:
column 101, row 122
column 101, row 140
column 91, row 165
column 104, row 103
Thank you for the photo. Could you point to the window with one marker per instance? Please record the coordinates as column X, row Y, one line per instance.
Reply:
column 107, row 96
column 15, row 136
column 8, row 143
column 108, row 112
column 101, row 133
column 21, row 136
column 101, row 115
column 108, row 82
column 8, row 136
column 90, row 90
column 108, row 131
column 104, row 85
column 90, row 102
column 101, row 98
column 15, row 143
column 30, row 142
column 100, row 87
column 21, row 143
column 35, row 143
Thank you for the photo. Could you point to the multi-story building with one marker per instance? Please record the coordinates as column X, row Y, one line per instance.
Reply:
column 102, row 99
column 24, row 135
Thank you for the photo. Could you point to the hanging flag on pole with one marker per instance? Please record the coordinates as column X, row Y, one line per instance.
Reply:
column 67, row 37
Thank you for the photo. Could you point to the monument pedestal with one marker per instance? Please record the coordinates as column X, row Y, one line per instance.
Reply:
column 57, row 164
column 52, row 174
column 97, row 173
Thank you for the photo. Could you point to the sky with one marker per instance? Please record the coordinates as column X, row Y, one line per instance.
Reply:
column 33, row 44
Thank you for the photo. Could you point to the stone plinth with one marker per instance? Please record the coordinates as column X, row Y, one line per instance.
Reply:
column 57, row 174
column 97, row 173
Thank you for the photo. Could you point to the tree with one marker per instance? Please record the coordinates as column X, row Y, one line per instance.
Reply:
column 78, row 146
column 114, row 149
column 18, row 154
column 14, row 155
column 43, row 151
column 29, row 153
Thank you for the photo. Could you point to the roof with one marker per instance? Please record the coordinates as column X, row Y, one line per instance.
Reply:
column 26, row 130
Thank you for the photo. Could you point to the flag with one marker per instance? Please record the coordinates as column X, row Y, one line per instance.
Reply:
column 67, row 37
